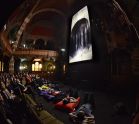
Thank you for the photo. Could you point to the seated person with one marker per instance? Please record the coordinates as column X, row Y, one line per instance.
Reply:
column 53, row 91
column 5, row 92
column 69, row 99
column 43, row 87
column 83, row 114
column 59, row 97
column 120, row 108
column 50, row 90
column 22, row 87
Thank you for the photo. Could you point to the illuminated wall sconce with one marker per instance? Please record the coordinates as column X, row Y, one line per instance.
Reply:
column 51, row 68
column 33, row 67
column 1, row 66
column 4, row 27
column 23, row 67
column 40, row 67
column 54, row 67
column 64, row 68
column 37, row 66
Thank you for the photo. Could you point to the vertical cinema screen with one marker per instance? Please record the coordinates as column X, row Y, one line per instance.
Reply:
column 80, row 48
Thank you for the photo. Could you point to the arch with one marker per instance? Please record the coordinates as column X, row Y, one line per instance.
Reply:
column 46, row 10
column 40, row 44
column 29, row 18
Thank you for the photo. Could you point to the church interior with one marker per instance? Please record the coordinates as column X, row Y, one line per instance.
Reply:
column 69, row 62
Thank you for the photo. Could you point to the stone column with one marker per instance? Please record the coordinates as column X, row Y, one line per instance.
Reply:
column 11, row 65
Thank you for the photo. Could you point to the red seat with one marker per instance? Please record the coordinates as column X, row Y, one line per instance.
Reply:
column 70, row 107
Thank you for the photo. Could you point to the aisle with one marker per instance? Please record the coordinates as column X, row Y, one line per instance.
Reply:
column 49, row 106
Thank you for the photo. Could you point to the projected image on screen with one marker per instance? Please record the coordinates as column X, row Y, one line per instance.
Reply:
column 80, row 43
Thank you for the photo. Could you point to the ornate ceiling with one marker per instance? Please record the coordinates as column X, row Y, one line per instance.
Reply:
column 37, row 24
column 42, row 24
column 38, row 20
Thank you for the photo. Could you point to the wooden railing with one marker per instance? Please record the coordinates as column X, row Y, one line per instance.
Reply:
column 24, row 52
column 49, row 53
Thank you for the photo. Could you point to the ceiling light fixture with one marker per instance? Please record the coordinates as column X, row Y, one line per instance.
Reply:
column 63, row 50
column 24, row 45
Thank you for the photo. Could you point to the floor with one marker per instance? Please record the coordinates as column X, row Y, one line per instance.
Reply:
column 104, row 110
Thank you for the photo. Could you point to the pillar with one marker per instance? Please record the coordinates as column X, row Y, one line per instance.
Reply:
column 11, row 65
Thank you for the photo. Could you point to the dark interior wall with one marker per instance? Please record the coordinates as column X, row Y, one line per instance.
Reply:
column 92, row 73
column 16, row 64
column 115, row 49
column 6, row 61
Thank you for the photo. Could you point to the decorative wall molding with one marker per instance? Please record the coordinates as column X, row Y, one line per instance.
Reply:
column 47, row 53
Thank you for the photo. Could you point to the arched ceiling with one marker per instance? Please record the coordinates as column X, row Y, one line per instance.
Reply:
column 42, row 31
column 7, row 7
column 47, row 22
column 45, row 25
column 6, row 13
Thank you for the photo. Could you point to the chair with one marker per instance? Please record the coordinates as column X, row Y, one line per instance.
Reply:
column 70, row 107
